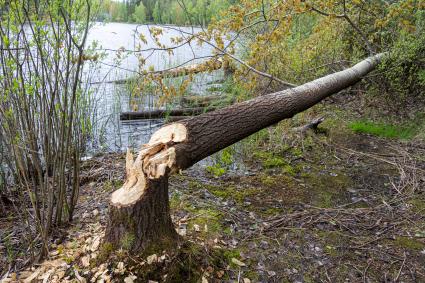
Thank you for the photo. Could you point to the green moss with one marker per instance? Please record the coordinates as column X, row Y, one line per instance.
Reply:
column 274, row 162
column 269, row 160
column 332, row 239
column 383, row 130
column 175, row 200
column 216, row 170
column 327, row 190
column 290, row 170
column 272, row 211
column 409, row 243
column 268, row 180
column 296, row 151
column 418, row 205
column 209, row 217
column 226, row 156
column 251, row 274
column 195, row 185
column 68, row 259
column 227, row 231
column 229, row 254
column 238, row 194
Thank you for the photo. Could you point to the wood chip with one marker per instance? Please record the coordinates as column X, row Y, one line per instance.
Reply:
column 152, row 258
column 130, row 279
column 238, row 262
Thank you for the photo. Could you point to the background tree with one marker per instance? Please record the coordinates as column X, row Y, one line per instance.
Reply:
column 139, row 15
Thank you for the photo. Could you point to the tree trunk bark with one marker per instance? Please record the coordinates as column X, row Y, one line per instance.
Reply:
column 140, row 207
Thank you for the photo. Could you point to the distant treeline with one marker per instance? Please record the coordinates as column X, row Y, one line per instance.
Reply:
column 179, row 12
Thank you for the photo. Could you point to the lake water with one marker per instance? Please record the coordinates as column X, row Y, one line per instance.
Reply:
column 111, row 99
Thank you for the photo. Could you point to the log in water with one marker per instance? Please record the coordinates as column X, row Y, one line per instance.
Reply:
column 160, row 113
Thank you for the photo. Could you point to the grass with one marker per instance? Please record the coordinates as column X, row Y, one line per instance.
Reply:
column 383, row 130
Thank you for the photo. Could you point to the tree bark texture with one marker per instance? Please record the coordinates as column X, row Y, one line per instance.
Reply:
column 143, row 223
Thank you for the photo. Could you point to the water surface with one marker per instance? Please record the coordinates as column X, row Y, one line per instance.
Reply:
column 111, row 99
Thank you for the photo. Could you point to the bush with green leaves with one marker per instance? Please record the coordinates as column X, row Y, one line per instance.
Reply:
column 44, row 109
column 404, row 69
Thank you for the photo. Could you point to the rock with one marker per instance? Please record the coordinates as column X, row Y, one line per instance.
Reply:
column 86, row 215
column 238, row 262
column 246, row 280
column 204, row 280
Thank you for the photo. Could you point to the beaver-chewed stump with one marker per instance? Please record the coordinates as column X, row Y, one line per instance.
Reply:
column 139, row 211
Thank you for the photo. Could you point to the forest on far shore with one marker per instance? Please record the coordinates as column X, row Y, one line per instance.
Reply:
column 192, row 12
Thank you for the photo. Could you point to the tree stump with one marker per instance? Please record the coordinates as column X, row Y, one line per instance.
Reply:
column 139, row 212
column 144, row 222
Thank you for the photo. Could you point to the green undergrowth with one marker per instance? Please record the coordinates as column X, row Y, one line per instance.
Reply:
column 383, row 130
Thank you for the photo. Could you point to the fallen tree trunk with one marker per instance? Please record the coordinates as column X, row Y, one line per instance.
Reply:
column 159, row 113
column 136, row 210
